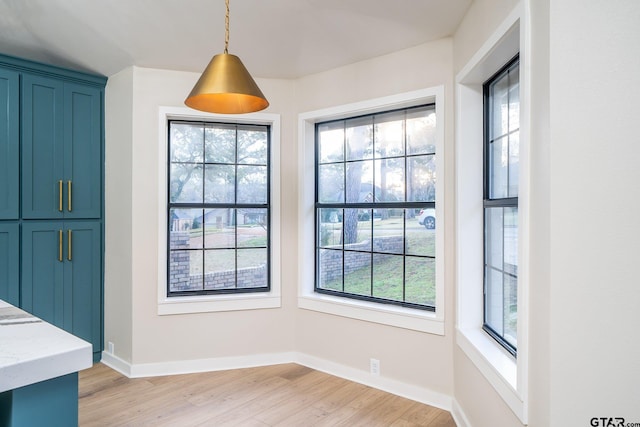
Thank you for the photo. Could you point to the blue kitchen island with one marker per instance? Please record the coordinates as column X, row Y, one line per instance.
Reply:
column 39, row 366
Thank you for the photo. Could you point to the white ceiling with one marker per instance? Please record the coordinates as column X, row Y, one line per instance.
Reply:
column 274, row 38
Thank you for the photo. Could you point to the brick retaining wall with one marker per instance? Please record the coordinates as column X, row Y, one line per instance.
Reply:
column 181, row 280
column 331, row 260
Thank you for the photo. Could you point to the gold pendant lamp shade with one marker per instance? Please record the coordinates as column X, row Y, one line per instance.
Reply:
column 225, row 86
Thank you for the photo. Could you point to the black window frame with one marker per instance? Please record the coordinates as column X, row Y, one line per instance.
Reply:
column 489, row 202
column 370, row 206
column 174, row 205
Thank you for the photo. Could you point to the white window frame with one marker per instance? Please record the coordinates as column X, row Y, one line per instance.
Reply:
column 506, row 374
column 222, row 302
column 388, row 314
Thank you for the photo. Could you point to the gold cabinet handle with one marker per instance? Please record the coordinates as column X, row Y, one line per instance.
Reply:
column 69, row 195
column 60, row 245
column 60, row 195
column 69, row 245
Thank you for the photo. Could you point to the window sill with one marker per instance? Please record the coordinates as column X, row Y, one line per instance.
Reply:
column 497, row 366
column 209, row 304
column 386, row 314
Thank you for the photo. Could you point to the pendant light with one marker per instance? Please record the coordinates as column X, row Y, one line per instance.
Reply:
column 225, row 86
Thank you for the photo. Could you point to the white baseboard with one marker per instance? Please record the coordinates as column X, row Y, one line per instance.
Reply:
column 117, row 364
column 410, row 391
column 139, row 370
column 399, row 388
column 458, row 415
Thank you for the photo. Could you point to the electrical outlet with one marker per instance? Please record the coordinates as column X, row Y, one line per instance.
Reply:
column 374, row 367
column 110, row 347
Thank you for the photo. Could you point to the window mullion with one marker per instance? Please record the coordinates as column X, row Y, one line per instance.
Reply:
column 204, row 189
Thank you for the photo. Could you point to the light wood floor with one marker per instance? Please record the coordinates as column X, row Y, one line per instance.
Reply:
column 279, row 395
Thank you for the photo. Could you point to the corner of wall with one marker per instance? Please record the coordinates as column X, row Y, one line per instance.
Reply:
column 118, row 222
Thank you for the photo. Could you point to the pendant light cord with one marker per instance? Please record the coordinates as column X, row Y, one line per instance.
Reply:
column 226, row 29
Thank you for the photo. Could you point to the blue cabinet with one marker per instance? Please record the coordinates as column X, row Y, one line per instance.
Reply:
column 9, row 262
column 61, row 149
column 62, row 275
column 9, row 143
column 51, row 195
column 51, row 403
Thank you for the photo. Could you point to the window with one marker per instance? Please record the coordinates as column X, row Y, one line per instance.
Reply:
column 501, row 154
column 375, row 207
column 508, row 375
column 218, row 209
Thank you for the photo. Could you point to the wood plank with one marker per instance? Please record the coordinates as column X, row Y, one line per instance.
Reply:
column 421, row 414
column 257, row 408
column 363, row 403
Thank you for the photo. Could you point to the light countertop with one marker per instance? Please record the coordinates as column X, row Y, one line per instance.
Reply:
column 32, row 350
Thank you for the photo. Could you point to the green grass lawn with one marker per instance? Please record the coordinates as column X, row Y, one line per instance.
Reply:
column 387, row 276
column 387, row 281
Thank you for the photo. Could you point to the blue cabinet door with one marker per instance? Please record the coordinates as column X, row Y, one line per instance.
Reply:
column 61, row 276
column 10, row 262
column 43, row 182
column 82, row 281
column 82, row 151
column 9, row 142
column 43, row 270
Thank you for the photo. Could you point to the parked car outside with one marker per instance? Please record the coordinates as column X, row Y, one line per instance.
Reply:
column 427, row 217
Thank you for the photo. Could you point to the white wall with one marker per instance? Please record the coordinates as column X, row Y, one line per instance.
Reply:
column 479, row 23
column 131, row 283
column 539, row 188
column 594, row 204
column 413, row 358
column 118, row 219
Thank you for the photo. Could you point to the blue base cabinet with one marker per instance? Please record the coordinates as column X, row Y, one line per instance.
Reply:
column 51, row 403
column 52, row 195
